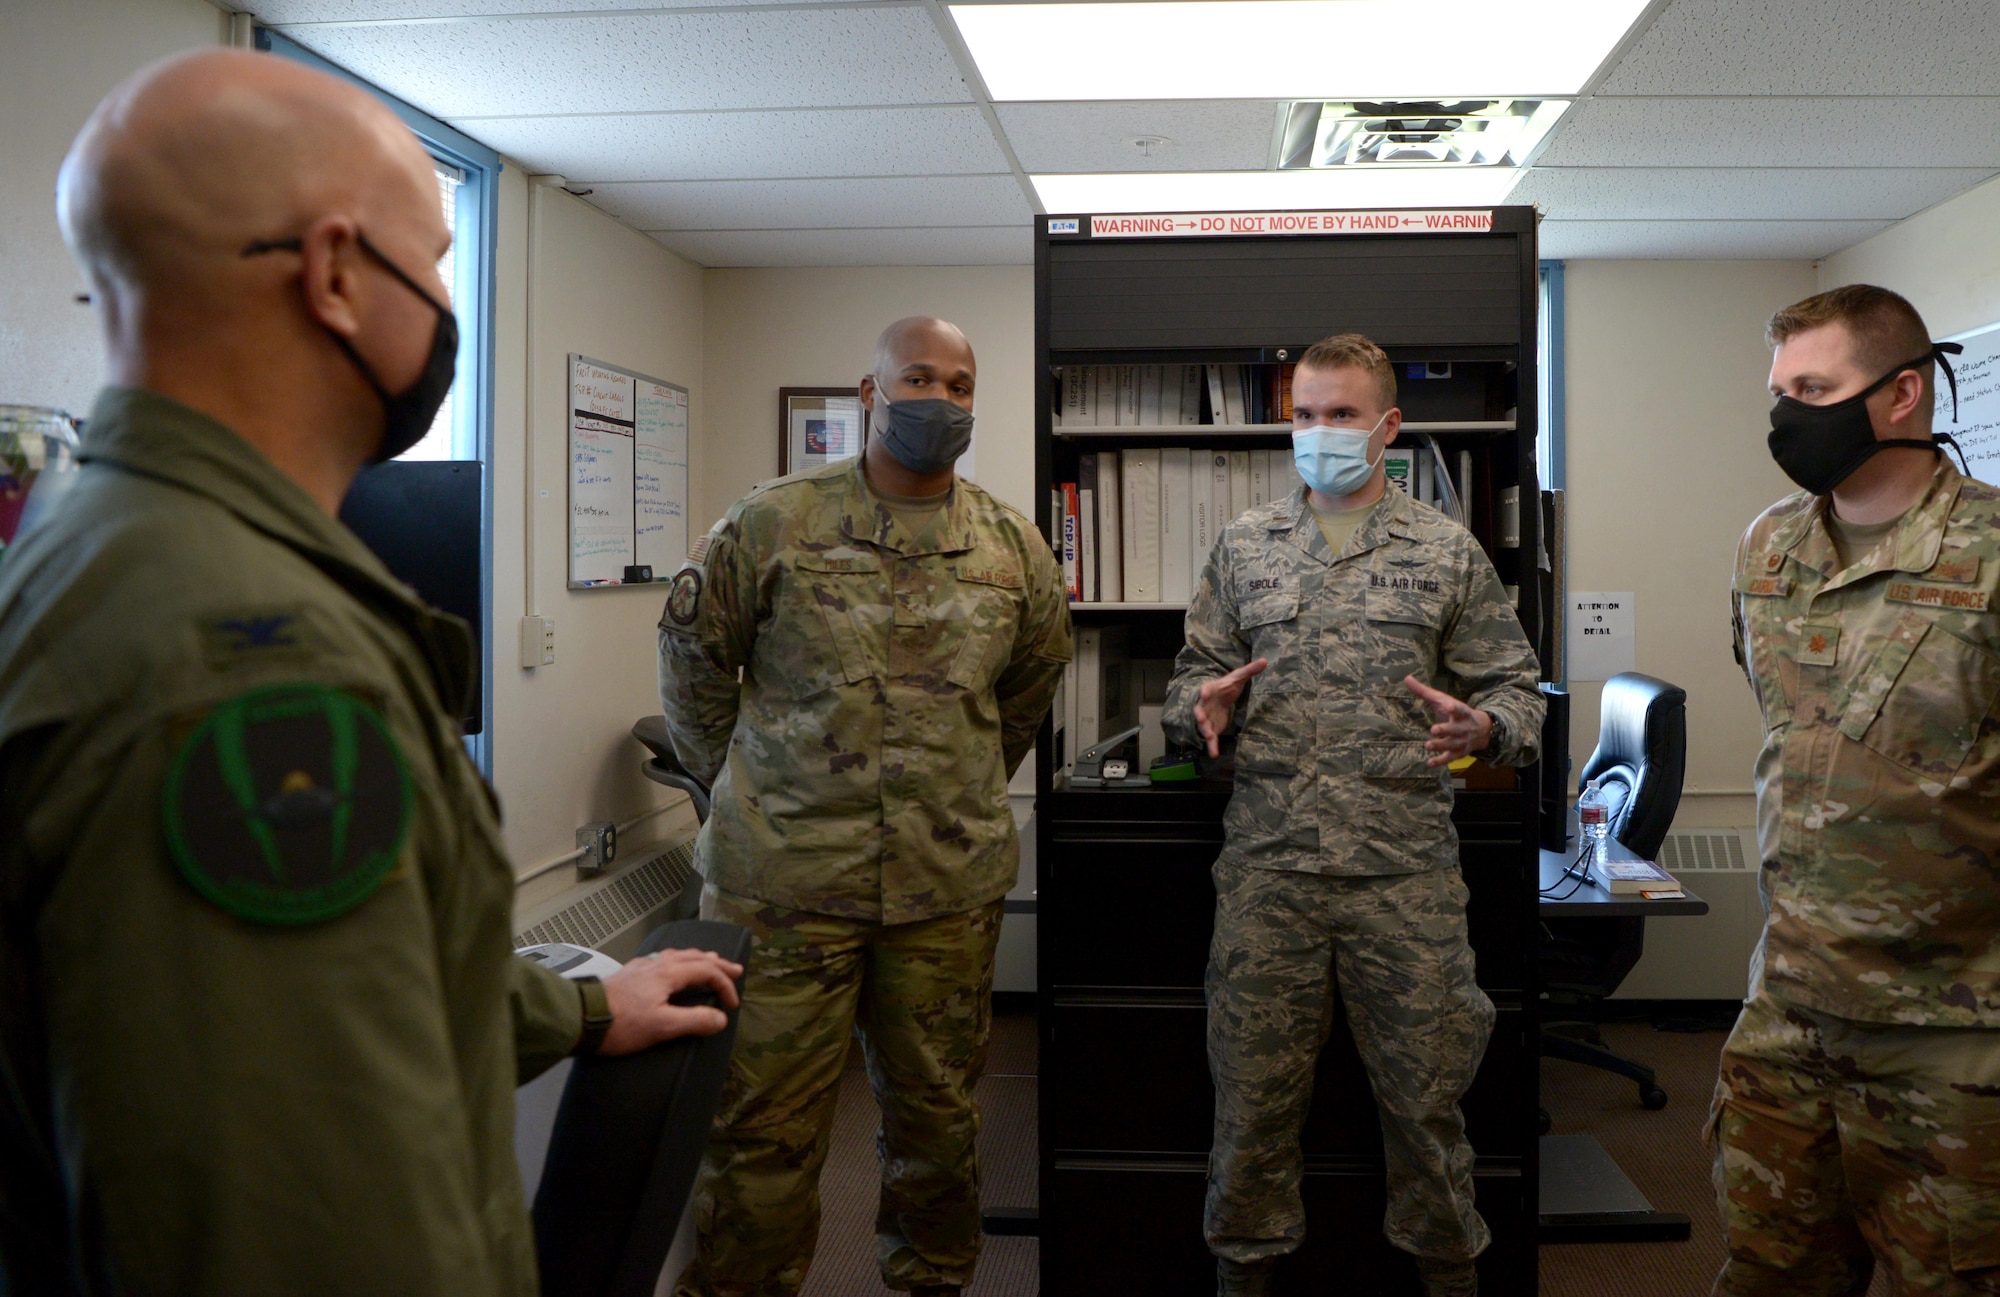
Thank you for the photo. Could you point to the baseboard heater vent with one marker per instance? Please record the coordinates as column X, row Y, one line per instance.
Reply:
column 619, row 903
column 1703, row 853
column 1703, row 957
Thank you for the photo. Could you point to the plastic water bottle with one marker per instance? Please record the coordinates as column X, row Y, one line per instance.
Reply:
column 1593, row 817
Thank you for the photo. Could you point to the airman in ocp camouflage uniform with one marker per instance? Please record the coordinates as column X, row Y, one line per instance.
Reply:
column 897, row 654
column 1340, row 850
column 1857, row 1115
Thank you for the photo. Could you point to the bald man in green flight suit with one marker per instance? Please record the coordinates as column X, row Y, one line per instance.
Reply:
column 260, row 1026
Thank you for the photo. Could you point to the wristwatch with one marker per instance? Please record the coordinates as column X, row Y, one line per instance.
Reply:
column 596, row 1015
column 1495, row 736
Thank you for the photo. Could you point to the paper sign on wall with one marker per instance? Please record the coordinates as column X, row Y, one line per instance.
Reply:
column 1603, row 634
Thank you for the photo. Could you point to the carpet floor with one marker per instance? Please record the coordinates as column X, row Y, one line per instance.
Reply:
column 1660, row 1151
column 844, row 1265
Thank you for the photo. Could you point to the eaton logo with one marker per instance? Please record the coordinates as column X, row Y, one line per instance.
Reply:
column 1066, row 225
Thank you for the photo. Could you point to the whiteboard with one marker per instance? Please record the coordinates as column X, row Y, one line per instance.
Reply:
column 628, row 473
column 1978, row 426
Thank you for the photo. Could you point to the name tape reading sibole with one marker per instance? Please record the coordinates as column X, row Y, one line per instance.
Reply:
column 1209, row 224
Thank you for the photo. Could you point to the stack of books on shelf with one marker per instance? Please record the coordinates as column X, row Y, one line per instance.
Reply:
column 1160, row 396
column 1137, row 525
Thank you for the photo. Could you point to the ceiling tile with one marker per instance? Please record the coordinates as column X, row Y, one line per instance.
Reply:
column 1202, row 135
column 817, row 204
column 1693, row 193
column 652, row 63
column 277, row 13
column 1701, row 240
column 1009, row 246
column 1814, row 47
column 1754, row 132
column 750, row 146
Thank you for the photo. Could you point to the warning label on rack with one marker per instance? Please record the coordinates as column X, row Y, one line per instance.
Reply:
column 1210, row 224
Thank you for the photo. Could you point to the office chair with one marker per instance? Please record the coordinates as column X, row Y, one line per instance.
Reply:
column 630, row 1132
column 627, row 1145
column 665, row 768
column 1639, row 763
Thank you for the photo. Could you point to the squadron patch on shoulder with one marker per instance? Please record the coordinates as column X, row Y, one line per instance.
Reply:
column 684, row 598
column 288, row 804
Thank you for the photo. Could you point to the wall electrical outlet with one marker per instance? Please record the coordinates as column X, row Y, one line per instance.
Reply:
column 538, row 642
column 599, row 840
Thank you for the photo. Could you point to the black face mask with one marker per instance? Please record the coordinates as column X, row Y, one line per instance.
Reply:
column 1820, row 446
column 925, row 435
column 406, row 417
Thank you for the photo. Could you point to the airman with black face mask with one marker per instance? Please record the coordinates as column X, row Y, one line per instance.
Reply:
column 260, row 1018
column 1856, row 1121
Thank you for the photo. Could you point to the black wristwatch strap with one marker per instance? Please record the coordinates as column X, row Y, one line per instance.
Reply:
column 596, row 1015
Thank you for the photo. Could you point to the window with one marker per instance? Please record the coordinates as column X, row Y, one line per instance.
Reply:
column 1549, row 465
column 451, row 436
column 468, row 176
column 468, row 173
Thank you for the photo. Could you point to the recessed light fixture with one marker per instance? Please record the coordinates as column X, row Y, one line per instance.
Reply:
column 1438, row 133
column 1292, row 49
column 1244, row 191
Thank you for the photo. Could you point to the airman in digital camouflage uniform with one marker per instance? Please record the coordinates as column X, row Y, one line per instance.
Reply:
column 1360, row 613
column 260, row 1025
column 899, row 634
column 1857, row 1116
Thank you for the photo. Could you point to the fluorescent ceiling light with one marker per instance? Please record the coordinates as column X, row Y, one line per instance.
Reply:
column 1293, row 49
column 1247, row 191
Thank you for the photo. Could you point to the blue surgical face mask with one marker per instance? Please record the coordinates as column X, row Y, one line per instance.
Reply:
column 1334, row 461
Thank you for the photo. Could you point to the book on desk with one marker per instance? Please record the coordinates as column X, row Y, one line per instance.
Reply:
column 1634, row 877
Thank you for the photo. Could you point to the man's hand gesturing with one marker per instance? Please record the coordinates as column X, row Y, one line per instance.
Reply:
column 1460, row 730
column 638, row 993
column 1217, row 700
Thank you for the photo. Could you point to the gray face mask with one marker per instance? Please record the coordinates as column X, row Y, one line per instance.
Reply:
column 925, row 435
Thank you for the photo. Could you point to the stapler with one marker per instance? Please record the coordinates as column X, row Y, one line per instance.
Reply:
column 1093, row 770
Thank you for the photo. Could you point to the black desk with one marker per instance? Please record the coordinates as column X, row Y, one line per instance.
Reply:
column 1590, row 900
column 1584, row 1197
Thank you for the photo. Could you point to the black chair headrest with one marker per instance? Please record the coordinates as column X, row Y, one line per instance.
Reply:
column 1641, row 744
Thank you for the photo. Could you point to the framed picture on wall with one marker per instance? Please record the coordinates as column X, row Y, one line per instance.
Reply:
column 819, row 426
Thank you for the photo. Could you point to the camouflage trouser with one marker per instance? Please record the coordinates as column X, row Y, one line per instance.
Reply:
column 921, row 994
column 1839, row 1144
column 1405, row 975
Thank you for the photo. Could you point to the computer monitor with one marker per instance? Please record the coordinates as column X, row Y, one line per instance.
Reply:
column 422, row 519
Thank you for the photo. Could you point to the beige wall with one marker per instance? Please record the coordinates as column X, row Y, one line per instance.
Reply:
column 768, row 329
column 1667, row 414
column 571, row 279
column 1945, row 260
column 56, row 62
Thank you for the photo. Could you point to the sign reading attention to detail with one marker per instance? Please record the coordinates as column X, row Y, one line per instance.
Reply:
column 1358, row 221
column 1603, row 634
